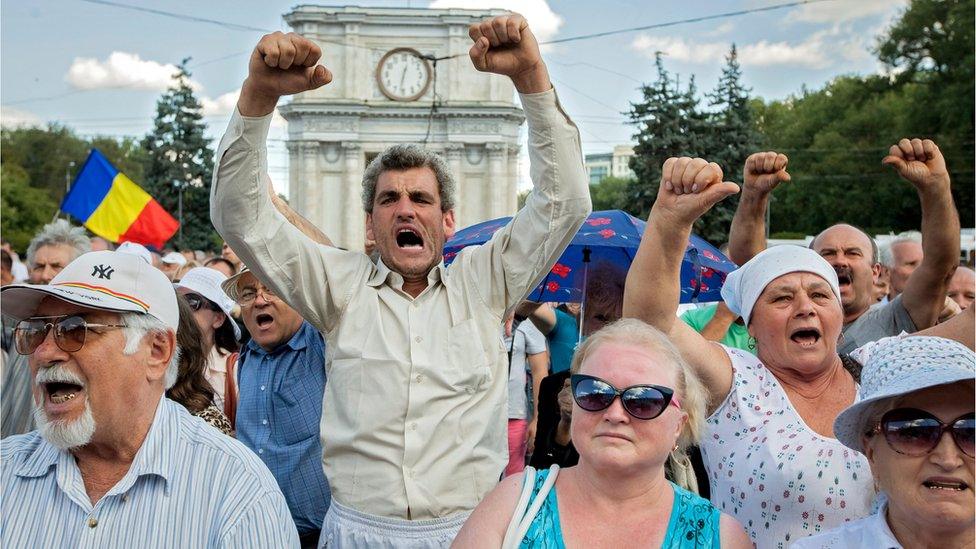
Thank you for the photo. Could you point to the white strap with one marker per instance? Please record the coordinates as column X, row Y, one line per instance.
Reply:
column 522, row 518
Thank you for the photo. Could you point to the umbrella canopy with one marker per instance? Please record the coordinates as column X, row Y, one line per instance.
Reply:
column 610, row 236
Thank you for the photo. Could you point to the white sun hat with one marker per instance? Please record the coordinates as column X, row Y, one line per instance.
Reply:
column 105, row 280
column 898, row 367
column 174, row 258
column 206, row 282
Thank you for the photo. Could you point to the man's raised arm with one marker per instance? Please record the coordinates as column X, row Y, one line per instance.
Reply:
column 920, row 162
column 520, row 254
column 763, row 172
column 242, row 206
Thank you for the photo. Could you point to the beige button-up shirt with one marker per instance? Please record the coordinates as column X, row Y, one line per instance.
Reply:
column 414, row 412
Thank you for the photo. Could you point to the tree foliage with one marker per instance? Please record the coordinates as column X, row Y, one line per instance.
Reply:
column 178, row 154
column 672, row 122
column 836, row 137
column 23, row 208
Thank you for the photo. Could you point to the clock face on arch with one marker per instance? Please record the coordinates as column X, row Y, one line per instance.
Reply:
column 403, row 75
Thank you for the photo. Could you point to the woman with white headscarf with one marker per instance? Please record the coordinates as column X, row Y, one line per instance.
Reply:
column 769, row 448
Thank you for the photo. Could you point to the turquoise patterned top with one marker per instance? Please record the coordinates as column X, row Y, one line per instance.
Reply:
column 694, row 522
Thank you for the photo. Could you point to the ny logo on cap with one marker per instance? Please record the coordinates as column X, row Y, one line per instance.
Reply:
column 103, row 271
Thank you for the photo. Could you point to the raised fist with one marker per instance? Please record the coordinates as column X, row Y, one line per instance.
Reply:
column 920, row 162
column 505, row 45
column 689, row 188
column 764, row 171
column 281, row 64
column 565, row 400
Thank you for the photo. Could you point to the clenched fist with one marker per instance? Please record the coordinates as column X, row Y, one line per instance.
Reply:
column 689, row 188
column 920, row 162
column 281, row 64
column 764, row 171
column 505, row 45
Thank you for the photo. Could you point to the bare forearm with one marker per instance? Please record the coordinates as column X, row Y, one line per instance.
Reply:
column 747, row 236
column 652, row 290
column 940, row 230
column 302, row 224
column 253, row 103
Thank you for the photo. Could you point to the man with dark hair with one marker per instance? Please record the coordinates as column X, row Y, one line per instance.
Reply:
column 854, row 254
column 413, row 422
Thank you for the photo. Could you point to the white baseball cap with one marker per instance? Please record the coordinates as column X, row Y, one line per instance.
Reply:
column 135, row 249
column 105, row 280
column 207, row 282
column 174, row 258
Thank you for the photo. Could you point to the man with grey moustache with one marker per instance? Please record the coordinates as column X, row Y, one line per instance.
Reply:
column 114, row 463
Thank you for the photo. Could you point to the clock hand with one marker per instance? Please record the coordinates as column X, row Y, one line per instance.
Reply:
column 403, row 75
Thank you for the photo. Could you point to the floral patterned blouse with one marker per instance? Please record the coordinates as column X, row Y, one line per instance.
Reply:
column 782, row 480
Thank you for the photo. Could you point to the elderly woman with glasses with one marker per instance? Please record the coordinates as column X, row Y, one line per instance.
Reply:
column 636, row 402
column 915, row 425
column 768, row 447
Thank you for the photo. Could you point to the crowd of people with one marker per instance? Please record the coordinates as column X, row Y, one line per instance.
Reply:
column 291, row 393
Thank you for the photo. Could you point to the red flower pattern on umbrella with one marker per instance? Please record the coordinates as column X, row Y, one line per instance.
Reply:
column 561, row 270
column 597, row 221
column 552, row 286
column 608, row 233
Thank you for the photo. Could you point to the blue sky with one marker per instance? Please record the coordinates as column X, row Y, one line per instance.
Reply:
column 100, row 69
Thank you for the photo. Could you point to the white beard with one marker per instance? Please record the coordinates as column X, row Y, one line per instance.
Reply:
column 66, row 434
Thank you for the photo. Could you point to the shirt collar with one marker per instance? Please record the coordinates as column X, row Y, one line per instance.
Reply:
column 382, row 273
column 151, row 459
column 298, row 341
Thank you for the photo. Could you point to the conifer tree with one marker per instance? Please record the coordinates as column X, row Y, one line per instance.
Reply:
column 179, row 155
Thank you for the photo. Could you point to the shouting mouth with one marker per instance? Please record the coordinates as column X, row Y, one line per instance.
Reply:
column 806, row 337
column 59, row 392
column 844, row 278
column 264, row 320
column 409, row 239
column 945, row 484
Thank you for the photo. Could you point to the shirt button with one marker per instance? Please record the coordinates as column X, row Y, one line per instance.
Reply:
column 260, row 450
column 418, row 339
column 92, row 522
column 125, row 497
column 262, row 387
column 420, row 378
column 413, row 426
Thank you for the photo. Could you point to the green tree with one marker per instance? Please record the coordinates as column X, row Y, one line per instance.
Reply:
column 732, row 137
column 669, row 123
column 611, row 193
column 23, row 208
column 178, row 155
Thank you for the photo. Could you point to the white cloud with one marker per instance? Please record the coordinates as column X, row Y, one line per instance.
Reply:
column 16, row 118
column 221, row 106
column 818, row 51
column 544, row 22
column 121, row 70
column 836, row 12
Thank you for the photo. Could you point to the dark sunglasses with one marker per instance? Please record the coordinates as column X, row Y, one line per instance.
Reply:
column 70, row 332
column 914, row 432
column 197, row 302
column 641, row 401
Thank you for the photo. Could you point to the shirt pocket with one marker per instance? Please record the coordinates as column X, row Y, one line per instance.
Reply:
column 468, row 369
column 297, row 406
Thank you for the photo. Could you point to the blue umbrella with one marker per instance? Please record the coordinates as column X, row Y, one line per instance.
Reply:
column 607, row 236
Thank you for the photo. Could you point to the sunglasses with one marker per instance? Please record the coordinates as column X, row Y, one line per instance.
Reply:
column 197, row 302
column 641, row 401
column 70, row 332
column 914, row 432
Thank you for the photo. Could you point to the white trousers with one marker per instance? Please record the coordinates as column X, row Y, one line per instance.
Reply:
column 346, row 528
